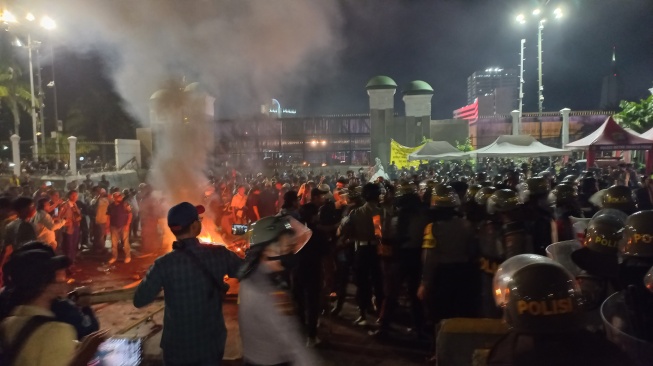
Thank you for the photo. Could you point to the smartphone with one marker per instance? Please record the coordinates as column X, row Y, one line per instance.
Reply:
column 56, row 211
column 117, row 351
column 238, row 229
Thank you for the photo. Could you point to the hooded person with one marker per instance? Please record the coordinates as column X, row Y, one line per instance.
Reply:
column 267, row 318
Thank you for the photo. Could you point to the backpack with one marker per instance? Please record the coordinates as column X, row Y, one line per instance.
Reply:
column 9, row 352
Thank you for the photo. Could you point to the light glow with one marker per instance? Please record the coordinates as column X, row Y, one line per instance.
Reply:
column 48, row 23
column 537, row 11
column 30, row 17
column 521, row 19
column 8, row 17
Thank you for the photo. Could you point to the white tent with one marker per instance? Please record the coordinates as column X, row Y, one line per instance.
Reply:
column 648, row 134
column 436, row 150
column 517, row 146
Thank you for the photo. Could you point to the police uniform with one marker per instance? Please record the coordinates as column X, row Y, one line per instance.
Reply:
column 366, row 261
column 449, row 270
column 545, row 318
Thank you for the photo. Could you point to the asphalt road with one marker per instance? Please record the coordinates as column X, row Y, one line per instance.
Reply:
column 343, row 343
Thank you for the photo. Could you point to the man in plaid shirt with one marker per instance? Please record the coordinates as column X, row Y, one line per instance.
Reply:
column 194, row 332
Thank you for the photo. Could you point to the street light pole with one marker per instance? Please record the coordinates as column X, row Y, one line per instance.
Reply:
column 521, row 77
column 31, row 81
column 540, row 87
column 41, row 97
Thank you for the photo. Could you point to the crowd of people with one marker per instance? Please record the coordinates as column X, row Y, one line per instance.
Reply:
column 447, row 240
column 437, row 236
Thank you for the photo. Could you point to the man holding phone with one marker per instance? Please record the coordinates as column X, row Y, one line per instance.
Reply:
column 191, row 276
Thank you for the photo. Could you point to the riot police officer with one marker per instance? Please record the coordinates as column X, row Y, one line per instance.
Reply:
column 538, row 214
column 449, row 269
column 515, row 238
column 619, row 198
column 363, row 227
column 564, row 199
column 545, row 318
column 489, row 241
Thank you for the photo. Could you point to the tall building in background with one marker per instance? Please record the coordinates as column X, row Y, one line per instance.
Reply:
column 611, row 89
column 485, row 82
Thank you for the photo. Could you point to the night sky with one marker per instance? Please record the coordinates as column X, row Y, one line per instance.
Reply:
column 442, row 42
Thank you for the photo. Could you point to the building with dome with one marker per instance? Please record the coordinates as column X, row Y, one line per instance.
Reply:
column 338, row 140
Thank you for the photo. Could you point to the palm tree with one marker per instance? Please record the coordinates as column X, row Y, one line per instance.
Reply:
column 14, row 93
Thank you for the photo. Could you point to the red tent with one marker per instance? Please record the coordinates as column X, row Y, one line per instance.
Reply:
column 609, row 137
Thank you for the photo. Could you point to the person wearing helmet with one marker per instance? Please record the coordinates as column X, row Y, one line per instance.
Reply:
column 192, row 278
column 449, row 254
column 564, row 199
column 636, row 257
column 345, row 250
column 473, row 212
column 545, row 318
column 618, row 198
column 405, row 263
column 488, row 234
column 363, row 227
column 516, row 239
column 538, row 214
column 598, row 257
column 267, row 318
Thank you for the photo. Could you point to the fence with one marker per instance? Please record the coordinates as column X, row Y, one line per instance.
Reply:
column 54, row 158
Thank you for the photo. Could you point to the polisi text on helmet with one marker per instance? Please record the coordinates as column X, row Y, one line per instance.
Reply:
column 546, row 307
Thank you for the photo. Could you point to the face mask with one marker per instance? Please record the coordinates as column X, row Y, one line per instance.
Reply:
column 288, row 261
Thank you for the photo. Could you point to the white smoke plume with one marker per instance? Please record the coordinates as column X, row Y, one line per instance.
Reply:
column 242, row 51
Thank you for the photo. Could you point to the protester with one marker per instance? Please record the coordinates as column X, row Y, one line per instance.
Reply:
column 44, row 225
column 119, row 219
column 194, row 331
column 72, row 216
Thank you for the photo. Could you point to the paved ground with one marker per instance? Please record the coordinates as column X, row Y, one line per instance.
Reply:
column 342, row 344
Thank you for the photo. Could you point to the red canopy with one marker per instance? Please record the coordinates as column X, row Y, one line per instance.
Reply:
column 611, row 136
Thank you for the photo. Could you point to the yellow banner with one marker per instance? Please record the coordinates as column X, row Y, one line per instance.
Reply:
column 399, row 155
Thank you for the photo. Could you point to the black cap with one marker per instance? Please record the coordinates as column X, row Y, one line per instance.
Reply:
column 34, row 267
column 182, row 215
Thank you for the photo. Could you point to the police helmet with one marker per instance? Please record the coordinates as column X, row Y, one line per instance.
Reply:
column 533, row 305
column 444, row 196
column 599, row 253
column 268, row 229
column 619, row 198
column 483, row 194
column 637, row 240
column 471, row 192
column 503, row 200
column 562, row 194
column 570, row 179
column 537, row 186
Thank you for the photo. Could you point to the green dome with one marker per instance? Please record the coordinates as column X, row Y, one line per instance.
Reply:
column 381, row 82
column 418, row 87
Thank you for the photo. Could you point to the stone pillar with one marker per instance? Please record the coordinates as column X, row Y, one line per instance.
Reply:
column 417, row 98
column 381, row 90
column 565, row 126
column 15, row 152
column 72, row 150
column 516, row 122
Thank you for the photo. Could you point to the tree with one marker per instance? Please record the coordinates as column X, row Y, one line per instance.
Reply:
column 637, row 116
column 14, row 93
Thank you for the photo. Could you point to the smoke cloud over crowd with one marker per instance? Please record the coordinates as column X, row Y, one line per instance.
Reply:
column 242, row 52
